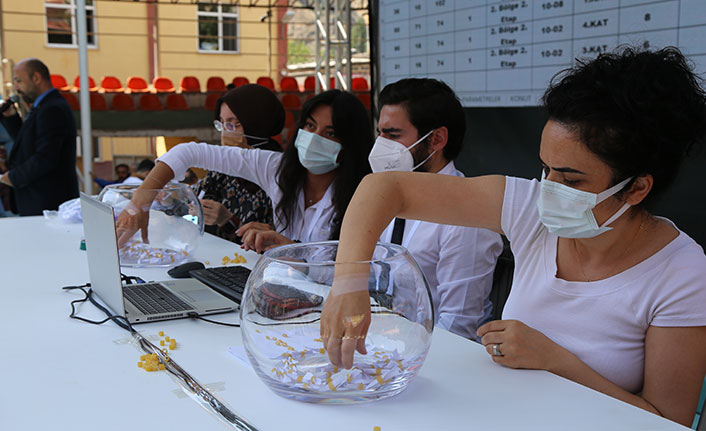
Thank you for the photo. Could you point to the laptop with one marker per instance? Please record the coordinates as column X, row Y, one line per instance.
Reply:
column 140, row 302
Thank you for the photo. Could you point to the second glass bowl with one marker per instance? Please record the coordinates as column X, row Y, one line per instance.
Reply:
column 175, row 225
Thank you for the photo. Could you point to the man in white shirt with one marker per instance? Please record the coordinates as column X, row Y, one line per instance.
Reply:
column 425, row 116
column 141, row 172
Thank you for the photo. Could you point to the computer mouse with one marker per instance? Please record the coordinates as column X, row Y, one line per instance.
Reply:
column 182, row 271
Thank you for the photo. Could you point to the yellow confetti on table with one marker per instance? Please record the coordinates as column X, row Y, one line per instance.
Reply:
column 235, row 259
column 151, row 362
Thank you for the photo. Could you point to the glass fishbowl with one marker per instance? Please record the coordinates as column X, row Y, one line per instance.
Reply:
column 280, row 317
column 175, row 225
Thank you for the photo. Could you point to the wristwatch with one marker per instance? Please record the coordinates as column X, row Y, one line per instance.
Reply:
column 234, row 222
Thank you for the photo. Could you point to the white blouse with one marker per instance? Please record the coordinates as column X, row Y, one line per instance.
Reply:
column 260, row 167
column 602, row 322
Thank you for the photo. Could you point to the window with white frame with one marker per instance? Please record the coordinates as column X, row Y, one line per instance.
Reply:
column 218, row 28
column 61, row 22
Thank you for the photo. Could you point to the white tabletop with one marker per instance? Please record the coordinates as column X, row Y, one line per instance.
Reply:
column 60, row 373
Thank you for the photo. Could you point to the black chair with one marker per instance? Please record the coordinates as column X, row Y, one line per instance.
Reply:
column 502, row 280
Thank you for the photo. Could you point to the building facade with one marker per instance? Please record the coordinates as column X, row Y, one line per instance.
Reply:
column 145, row 39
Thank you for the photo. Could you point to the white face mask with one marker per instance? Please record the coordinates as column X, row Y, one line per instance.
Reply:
column 316, row 153
column 389, row 155
column 568, row 213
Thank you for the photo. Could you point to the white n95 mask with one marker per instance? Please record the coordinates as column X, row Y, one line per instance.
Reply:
column 316, row 153
column 568, row 213
column 389, row 155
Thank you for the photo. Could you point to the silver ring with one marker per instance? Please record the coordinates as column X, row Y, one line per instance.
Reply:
column 496, row 350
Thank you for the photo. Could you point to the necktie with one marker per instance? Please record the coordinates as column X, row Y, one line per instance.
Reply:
column 397, row 231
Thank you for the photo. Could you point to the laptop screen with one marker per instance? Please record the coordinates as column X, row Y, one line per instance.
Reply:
column 102, row 252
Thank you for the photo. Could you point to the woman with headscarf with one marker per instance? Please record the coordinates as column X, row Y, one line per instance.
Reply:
column 310, row 184
column 247, row 117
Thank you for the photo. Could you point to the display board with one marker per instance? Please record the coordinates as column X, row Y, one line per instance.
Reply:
column 504, row 53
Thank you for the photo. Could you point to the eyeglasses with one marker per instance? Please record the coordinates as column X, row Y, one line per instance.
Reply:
column 228, row 127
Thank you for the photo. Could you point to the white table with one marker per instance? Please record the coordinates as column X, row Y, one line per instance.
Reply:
column 59, row 373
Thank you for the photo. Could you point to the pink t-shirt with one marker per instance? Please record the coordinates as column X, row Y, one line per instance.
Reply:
column 602, row 322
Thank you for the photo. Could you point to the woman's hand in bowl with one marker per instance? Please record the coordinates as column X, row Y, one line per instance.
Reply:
column 131, row 219
column 345, row 319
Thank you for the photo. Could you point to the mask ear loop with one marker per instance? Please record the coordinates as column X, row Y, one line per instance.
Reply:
column 259, row 144
column 610, row 192
column 425, row 160
column 420, row 140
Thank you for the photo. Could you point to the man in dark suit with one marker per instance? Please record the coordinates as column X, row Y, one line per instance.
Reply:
column 42, row 163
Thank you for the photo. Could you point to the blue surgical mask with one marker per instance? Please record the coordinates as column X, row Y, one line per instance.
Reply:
column 568, row 212
column 316, row 153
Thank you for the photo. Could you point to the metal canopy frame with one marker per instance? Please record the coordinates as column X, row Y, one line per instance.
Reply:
column 333, row 31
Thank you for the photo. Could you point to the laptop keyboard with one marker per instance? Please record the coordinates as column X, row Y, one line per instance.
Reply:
column 229, row 281
column 153, row 298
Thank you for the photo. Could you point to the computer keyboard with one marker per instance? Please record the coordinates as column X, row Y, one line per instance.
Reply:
column 229, row 281
column 153, row 298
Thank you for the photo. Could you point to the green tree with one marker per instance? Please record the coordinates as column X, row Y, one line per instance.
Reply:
column 298, row 52
column 359, row 36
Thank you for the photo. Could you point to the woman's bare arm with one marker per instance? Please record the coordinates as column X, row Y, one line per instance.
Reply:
column 379, row 198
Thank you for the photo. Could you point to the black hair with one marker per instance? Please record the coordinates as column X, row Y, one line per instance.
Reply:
column 190, row 175
column 430, row 104
column 122, row 165
column 34, row 65
column 640, row 112
column 352, row 126
column 145, row 165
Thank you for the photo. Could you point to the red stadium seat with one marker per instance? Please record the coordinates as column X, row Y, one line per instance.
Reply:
column 72, row 100
column 59, row 82
column 266, row 82
column 215, row 83
column 122, row 102
column 291, row 101
column 190, row 84
column 111, row 84
column 163, row 84
column 290, row 135
column 150, row 102
column 98, row 102
column 288, row 83
column 278, row 139
column 91, row 84
column 288, row 119
column 211, row 101
column 360, row 84
column 176, row 102
column 240, row 80
column 310, row 83
column 365, row 98
column 135, row 84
